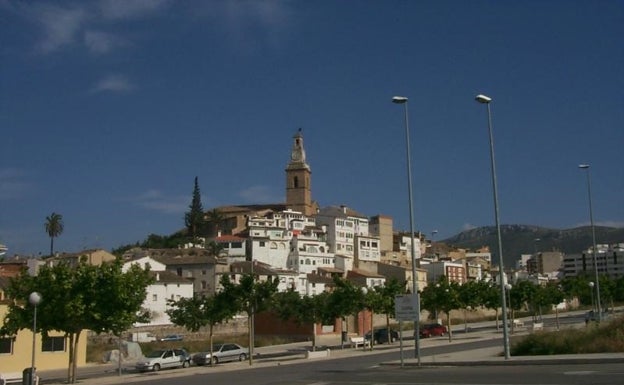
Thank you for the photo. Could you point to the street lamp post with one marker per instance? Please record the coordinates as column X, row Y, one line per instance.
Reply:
column 403, row 100
column 591, row 288
column 487, row 100
column 34, row 299
column 508, row 288
column 593, row 229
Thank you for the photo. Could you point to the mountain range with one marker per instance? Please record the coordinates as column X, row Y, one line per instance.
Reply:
column 526, row 239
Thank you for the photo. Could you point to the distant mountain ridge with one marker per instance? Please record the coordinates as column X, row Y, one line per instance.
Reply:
column 527, row 239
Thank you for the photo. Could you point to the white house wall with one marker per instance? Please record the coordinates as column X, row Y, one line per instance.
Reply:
column 144, row 262
column 156, row 300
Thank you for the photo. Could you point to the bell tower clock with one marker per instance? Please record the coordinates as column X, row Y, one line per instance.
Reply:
column 298, row 191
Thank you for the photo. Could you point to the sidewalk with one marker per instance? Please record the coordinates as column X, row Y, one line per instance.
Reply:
column 105, row 374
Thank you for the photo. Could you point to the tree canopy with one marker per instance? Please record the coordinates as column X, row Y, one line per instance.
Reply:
column 87, row 297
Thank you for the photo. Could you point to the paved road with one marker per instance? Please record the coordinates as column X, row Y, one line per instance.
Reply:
column 480, row 347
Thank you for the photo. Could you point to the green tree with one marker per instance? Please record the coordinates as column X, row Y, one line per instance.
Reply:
column 215, row 249
column 215, row 218
column 388, row 292
column 345, row 300
column 250, row 296
column 373, row 301
column 289, row 305
column 197, row 312
column 470, row 298
column 443, row 296
column 194, row 218
column 97, row 298
column 54, row 227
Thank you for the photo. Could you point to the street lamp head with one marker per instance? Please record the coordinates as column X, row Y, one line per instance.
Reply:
column 591, row 284
column 483, row 99
column 34, row 298
column 399, row 99
column 583, row 166
column 508, row 286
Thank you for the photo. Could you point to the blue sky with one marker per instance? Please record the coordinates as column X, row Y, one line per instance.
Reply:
column 109, row 109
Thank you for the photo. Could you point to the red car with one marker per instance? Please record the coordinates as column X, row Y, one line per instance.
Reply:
column 432, row 330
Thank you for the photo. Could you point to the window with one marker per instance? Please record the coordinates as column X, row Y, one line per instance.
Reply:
column 237, row 245
column 53, row 344
column 203, row 272
column 154, row 297
column 6, row 345
column 204, row 285
column 262, row 243
column 179, row 271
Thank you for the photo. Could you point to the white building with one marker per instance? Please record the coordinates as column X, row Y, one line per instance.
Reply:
column 270, row 236
column 309, row 251
column 610, row 261
column 166, row 286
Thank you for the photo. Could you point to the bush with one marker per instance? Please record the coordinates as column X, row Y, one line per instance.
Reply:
column 605, row 338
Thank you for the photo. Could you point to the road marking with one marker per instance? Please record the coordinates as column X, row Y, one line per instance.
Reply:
column 580, row 373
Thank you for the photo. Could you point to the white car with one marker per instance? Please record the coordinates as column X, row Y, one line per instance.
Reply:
column 162, row 359
column 222, row 353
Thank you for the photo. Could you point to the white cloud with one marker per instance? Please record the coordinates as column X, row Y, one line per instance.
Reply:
column 157, row 201
column 246, row 22
column 127, row 9
column 60, row 26
column 113, row 83
column 101, row 42
column 257, row 194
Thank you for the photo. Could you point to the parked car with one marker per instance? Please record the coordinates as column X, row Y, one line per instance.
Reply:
column 432, row 330
column 382, row 336
column 162, row 359
column 222, row 353
column 172, row 337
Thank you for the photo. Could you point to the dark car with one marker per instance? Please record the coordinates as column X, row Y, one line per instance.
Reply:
column 432, row 330
column 383, row 336
column 172, row 337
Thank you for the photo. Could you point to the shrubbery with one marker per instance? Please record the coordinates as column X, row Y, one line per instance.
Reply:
column 607, row 337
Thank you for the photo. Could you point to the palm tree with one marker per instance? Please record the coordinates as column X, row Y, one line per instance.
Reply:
column 215, row 218
column 54, row 228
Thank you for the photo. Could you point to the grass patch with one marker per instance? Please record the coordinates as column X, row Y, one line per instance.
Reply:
column 607, row 337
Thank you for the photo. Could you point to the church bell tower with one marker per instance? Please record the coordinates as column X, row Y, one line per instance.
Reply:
column 298, row 190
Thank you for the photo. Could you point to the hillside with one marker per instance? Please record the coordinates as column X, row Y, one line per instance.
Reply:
column 521, row 239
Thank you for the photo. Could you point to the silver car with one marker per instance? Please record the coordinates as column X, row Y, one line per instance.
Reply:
column 166, row 358
column 222, row 353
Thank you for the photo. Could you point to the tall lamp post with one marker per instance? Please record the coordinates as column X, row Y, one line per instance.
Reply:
column 593, row 230
column 508, row 288
column 34, row 299
column 487, row 100
column 591, row 289
column 403, row 100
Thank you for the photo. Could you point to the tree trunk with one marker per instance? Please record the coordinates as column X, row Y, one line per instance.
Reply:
column 75, row 359
column 448, row 322
column 497, row 327
column 211, row 349
column 250, row 320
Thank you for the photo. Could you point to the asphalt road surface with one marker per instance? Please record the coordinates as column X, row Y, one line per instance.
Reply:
column 365, row 370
